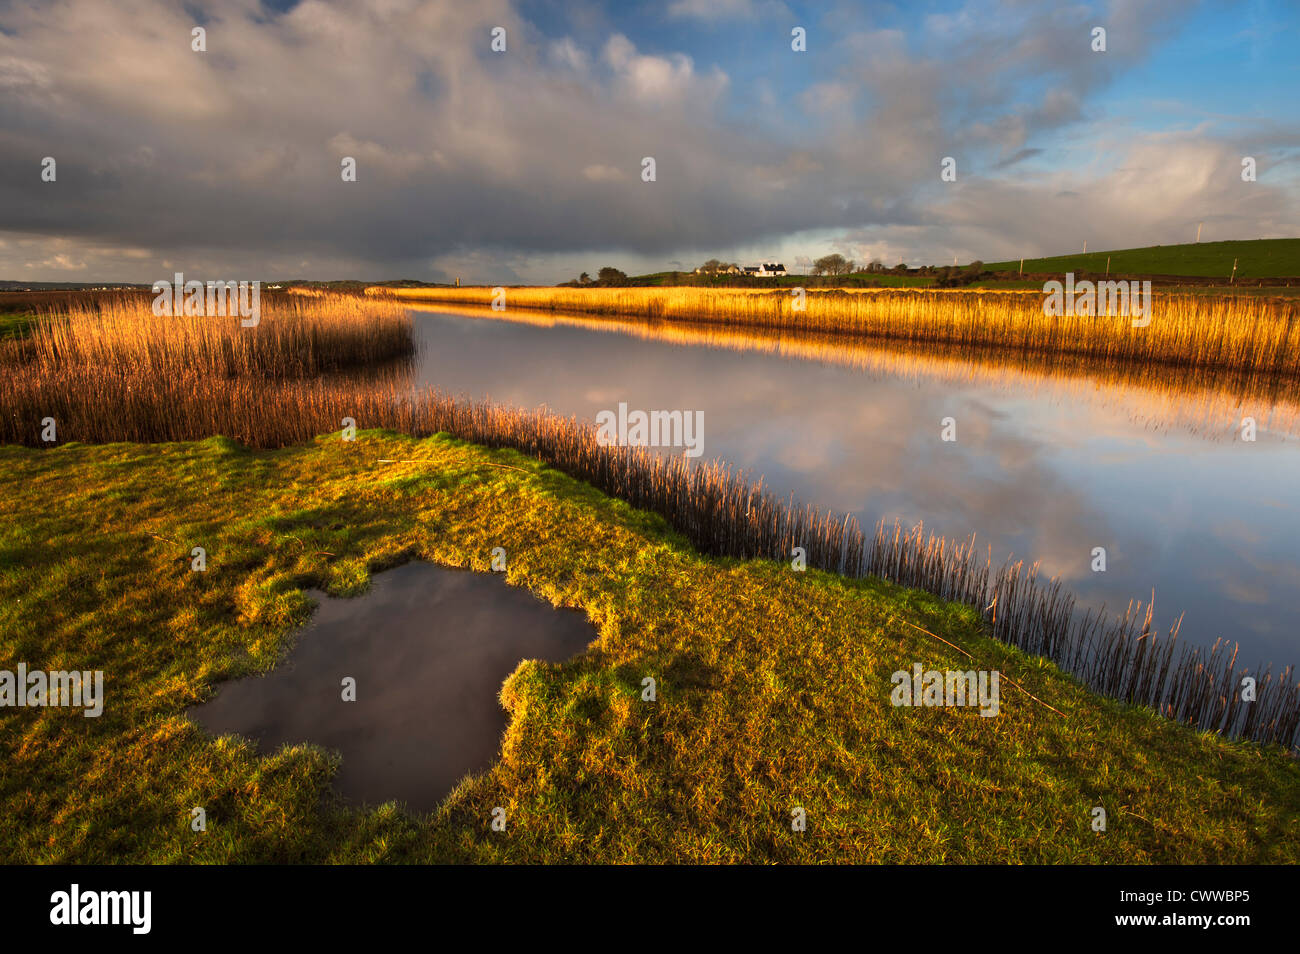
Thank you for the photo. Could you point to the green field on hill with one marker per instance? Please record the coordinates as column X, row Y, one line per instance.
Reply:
column 1256, row 259
column 1263, row 258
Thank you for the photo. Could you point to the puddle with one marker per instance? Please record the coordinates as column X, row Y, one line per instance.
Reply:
column 429, row 649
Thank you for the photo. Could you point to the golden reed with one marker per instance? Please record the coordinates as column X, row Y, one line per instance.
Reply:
column 1260, row 336
column 1206, row 402
column 298, row 336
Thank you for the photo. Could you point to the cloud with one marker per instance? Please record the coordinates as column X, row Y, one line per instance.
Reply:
column 1141, row 189
column 727, row 9
column 567, row 53
column 661, row 80
column 1018, row 156
column 58, row 263
column 21, row 75
column 599, row 173
column 528, row 162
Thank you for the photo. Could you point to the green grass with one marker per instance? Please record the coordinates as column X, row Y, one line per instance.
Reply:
column 16, row 325
column 1261, row 258
column 773, row 685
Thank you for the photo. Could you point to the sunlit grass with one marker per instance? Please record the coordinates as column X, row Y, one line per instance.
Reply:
column 1253, row 259
column 772, row 685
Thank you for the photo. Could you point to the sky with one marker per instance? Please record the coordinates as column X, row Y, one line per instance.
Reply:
column 527, row 165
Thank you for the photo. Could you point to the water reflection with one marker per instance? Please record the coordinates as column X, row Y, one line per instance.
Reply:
column 1208, row 403
column 1046, row 466
column 429, row 648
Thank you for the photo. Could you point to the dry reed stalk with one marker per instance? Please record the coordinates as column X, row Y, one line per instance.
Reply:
column 1257, row 336
column 1205, row 401
column 295, row 337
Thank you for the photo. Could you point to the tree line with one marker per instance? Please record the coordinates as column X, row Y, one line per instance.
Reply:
column 834, row 265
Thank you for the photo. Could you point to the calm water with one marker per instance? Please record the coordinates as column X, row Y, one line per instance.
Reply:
column 429, row 648
column 1046, row 471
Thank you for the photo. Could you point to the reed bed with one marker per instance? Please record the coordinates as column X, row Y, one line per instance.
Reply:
column 1259, row 336
column 1207, row 402
column 54, row 300
column 294, row 337
column 175, row 380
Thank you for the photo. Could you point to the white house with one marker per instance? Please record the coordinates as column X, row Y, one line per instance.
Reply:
column 766, row 270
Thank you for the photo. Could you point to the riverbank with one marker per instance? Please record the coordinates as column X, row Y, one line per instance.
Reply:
column 773, row 686
column 1188, row 400
column 1245, row 335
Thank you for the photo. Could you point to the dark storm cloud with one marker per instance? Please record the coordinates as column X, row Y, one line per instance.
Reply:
column 238, row 148
column 230, row 158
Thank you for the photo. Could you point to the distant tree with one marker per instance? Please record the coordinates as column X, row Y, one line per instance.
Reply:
column 876, row 265
column 611, row 276
column 834, row 264
column 584, row 278
column 975, row 268
column 900, row 269
column 712, row 267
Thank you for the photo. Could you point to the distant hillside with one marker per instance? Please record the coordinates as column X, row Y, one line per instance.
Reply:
column 1261, row 258
column 9, row 286
column 350, row 284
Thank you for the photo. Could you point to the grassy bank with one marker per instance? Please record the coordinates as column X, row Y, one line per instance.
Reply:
column 1255, row 259
column 1256, row 336
column 773, row 685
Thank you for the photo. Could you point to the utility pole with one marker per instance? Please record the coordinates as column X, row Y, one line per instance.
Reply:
column 1198, row 230
column 1022, row 266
